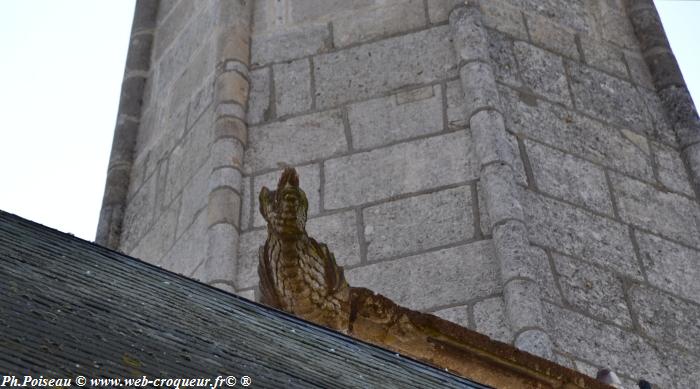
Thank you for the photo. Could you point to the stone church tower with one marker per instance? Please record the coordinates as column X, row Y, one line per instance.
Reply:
column 529, row 169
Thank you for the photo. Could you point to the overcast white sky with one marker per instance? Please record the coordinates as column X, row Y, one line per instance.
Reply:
column 61, row 65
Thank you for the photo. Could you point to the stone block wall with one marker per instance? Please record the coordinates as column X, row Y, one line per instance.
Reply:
column 510, row 167
column 165, row 214
column 363, row 98
column 608, row 197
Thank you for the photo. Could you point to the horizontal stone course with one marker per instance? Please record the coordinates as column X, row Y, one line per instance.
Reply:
column 593, row 290
column 672, row 171
column 292, row 87
column 565, row 176
column 466, row 272
column 547, row 123
column 490, row 319
column 665, row 213
column 604, row 56
column 621, row 351
column 138, row 215
column 400, row 169
column 543, row 72
column 259, row 109
column 670, row 266
column 575, row 232
column 667, row 318
column 156, row 242
column 190, row 248
column 294, row 141
column 371, row 69
column 608, row 98
column 385, row 18
column 418, row 223
column 187, row 157
column 505, row 67
column 388, row 119
column 281, row 45
column 552, row 36
column 339, row 232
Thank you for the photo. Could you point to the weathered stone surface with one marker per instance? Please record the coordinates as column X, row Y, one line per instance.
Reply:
column 672, row 171
column 639, row 71
column 138, row 215
column 552, row 36
column 604, row 56
column 484, row 219
column 670, row 266
column 576, row 232
column 505, row 67
column 665, row 213
column 232, row 87
column 466, row 272
column 576, row 134
column 593, row 290
column 190, row 39
column 543, row 72
column 456, row 114
column 370, row 69
column 401, row 116
column 170, row 27
column 501, row 193
column 389, row 17
column 610, row 346
column 570, row 178
column 608, row 98
column 246, row 204
column 663, row 131
column 222, row 246
column 545, row 275
column 616, row 27
column 436, row 161
column 683, row 367
column 259, row 109
column 190, row 249
column 187, row 157
column 490, row 319
column 194, row 197
column 339, row 232
column 309, row 10
column 293, row 42
column 309, row 181
column 439, row 10
column 248, row 294
column 478, row 84
column 667, row 318
column 503, row 17
column 297, row 140
column 535, row 342
column 418, row 223
column 574, row 15
column 224, row 207
column 247, row 267
column 458, row 315
column 292, row 87
column 159, row 238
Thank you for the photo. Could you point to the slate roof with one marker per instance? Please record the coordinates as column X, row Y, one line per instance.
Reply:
column 69, row 307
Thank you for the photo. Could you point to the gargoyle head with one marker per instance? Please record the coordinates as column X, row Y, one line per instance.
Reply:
column 285, row 208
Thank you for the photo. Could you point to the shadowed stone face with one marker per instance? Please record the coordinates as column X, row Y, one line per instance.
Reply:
column 285, row 209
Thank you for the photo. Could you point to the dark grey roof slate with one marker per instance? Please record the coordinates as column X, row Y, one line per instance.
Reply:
column 69, row 307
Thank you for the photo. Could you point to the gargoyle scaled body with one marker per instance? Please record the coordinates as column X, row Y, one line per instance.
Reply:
column 300, row 275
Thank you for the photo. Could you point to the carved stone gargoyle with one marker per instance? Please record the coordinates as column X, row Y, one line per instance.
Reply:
column 299, row 275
